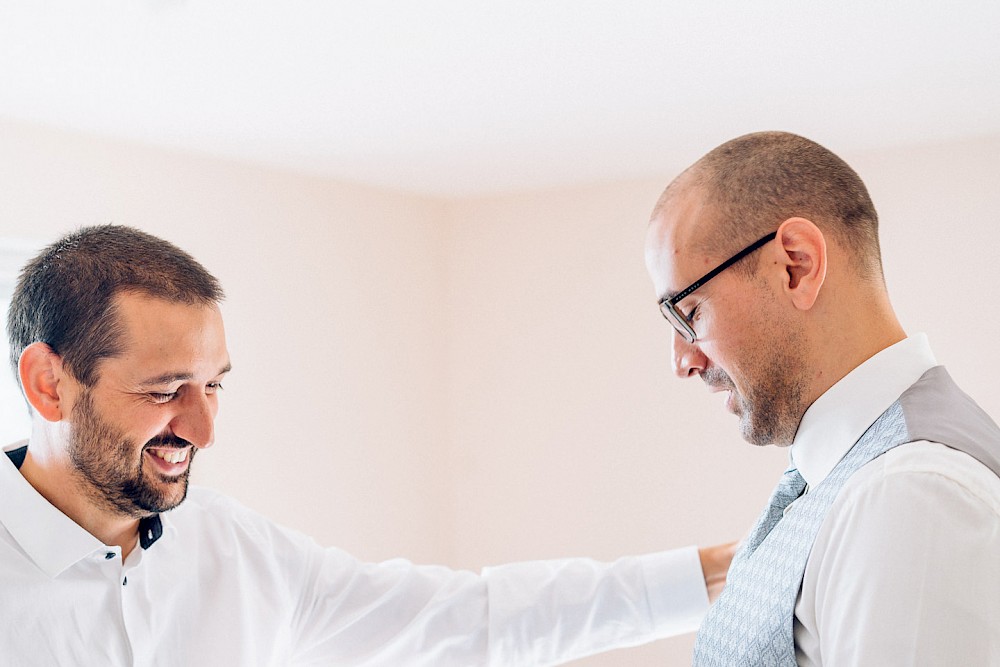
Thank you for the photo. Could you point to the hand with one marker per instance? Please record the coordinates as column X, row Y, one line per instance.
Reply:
column 715, row 564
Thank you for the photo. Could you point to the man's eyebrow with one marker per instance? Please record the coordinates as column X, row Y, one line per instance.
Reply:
column 167, row 378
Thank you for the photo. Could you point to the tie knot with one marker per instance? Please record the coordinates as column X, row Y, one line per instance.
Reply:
column 790, row 487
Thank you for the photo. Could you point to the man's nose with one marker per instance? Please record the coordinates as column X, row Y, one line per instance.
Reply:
column 196, row 422
column 687, row 357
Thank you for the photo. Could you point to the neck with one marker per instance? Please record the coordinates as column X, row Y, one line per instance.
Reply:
column 850, row 341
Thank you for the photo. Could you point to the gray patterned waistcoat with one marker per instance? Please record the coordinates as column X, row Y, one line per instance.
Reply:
column 752, row 621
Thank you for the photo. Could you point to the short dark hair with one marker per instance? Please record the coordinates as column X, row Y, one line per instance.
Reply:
column 756, row 181
column 65, row 295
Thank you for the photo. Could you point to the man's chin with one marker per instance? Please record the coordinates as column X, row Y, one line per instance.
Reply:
column 761, row 435
column 168, row 494
column 752, row 432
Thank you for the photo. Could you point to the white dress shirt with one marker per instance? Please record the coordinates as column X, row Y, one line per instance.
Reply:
column 224, row 586
column 905, row 569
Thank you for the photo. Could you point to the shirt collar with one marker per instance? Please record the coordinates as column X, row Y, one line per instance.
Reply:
column 838, row 418
column 50, row 538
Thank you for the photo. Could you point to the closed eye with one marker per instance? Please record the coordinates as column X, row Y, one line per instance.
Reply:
column 162, row 397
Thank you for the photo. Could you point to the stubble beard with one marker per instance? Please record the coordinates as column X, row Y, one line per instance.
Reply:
column 110, row 467
column 771, row 406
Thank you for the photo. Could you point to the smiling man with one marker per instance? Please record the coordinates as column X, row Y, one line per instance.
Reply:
column 108, row 558
column 118, row 446
column 879, row 545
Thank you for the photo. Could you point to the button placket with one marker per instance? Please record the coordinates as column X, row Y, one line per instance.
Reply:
column 115, row 573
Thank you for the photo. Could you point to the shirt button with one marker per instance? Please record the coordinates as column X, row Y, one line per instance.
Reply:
column 109, row 555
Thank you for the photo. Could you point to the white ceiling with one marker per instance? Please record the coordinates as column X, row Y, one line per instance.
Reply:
column 464, row 97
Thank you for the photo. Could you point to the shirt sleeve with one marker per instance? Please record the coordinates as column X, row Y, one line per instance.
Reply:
column 536, row 613
column 547, row 613
column 905, row 568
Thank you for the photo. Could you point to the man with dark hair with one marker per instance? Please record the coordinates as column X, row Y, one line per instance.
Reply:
column 119, row 347
column 879, row 546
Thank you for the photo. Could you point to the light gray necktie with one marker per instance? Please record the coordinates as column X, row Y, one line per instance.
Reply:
column 789, row 488
column 730, row 636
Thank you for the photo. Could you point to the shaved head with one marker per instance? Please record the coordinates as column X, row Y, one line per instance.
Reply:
column 755, row 182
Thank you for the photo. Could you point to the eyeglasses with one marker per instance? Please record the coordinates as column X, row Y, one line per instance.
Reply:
column 668, row 306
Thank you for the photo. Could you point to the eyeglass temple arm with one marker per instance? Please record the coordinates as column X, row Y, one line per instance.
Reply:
column 722, row 267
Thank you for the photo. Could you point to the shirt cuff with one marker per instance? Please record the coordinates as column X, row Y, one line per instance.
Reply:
column 675, row 584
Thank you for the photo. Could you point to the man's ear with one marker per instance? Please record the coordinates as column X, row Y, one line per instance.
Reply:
column 803, row 252
column 41, row 372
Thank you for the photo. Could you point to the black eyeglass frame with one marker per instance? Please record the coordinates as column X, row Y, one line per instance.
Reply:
column 668, row 306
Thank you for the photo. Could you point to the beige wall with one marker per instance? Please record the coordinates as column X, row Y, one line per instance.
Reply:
column 480, row 381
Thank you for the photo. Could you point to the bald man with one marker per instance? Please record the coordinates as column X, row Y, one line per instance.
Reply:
column 880, row 543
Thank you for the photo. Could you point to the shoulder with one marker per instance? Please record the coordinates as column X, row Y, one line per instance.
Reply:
column 203, row 504
column 215, row 517
column 919, row 503
column 923, row 469
column 913, row 500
